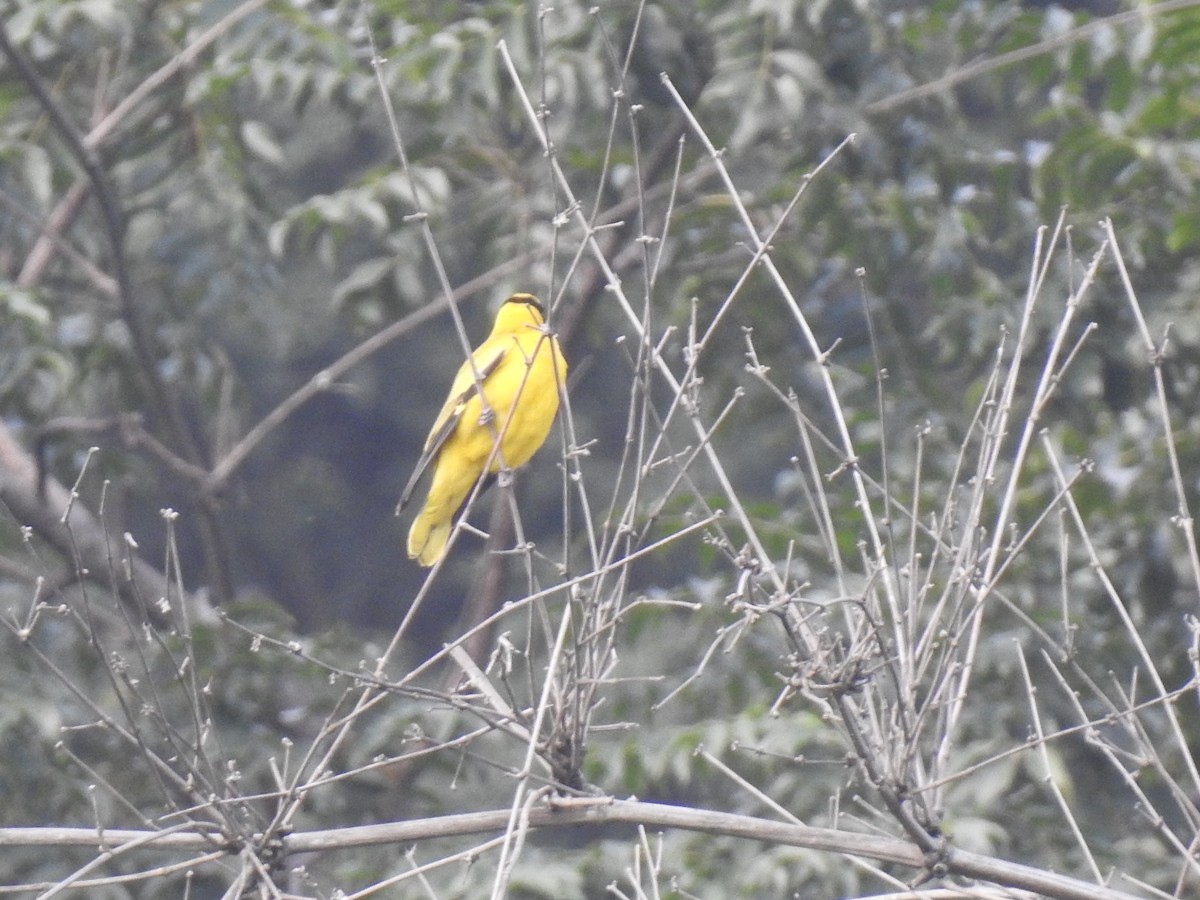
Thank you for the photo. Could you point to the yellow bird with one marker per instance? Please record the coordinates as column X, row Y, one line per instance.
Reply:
column 520, row 368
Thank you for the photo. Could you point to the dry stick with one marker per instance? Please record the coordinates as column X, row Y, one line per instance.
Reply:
column 614, row 232
column 165, row 775
column 612, row 229
column 943, row 666
column 520, row 802
column 460, row 743
column 591, row 813
column 940, row 542
column 613, row 283
column 479, row 680
column 503, row 869
column 660, row 156
column 1117, row 757
column 421, row 216
column 916, row 595
column 698, row 345
column 411, row 856
column 903, row 629
column 878, row 548
column 1109, row 588
column 846, row 442
column 97, row 780
column 632, row 453
column 1122, row 612
column 485, row 593
column 993, row 448
column 661, row 365
column 1155, row 355
column 484, row 596
column 1150, row 756
column 807, row 429
column 810, row 472
column 152, row 705
column 1048, row 778
column 614, row 286
column 961, row 554
column 195, row 784
column 184, row 669
column 653, row 864
column 404, row 684
column 850, row 454
column 1047, row 381
column 1088, row 724
column 784, row 813
column 158, row 872
column 605, row 553
column 166, row 605
column 466, row 856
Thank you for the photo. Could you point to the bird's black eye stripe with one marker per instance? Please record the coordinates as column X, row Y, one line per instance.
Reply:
column 528, row 300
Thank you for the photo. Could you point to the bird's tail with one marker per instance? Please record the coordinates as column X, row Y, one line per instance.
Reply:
column 428, row 535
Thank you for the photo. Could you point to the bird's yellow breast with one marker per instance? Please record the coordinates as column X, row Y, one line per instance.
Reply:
column 522, row 394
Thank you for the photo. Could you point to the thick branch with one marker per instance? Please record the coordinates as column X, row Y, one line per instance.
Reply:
column 652, row 815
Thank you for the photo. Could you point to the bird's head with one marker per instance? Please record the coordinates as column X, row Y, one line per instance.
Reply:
column 518, row 312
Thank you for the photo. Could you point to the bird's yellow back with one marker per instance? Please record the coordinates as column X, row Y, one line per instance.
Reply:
column 521, row 367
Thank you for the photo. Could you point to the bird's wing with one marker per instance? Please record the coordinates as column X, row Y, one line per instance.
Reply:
column 487, row 358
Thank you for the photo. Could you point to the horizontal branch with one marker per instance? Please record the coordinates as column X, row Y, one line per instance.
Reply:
column 604, row 812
